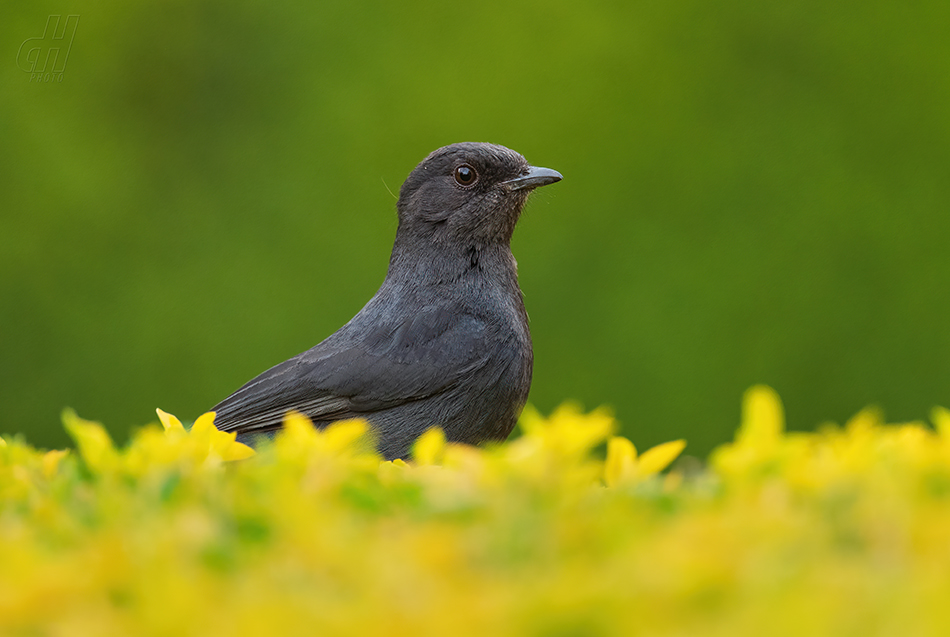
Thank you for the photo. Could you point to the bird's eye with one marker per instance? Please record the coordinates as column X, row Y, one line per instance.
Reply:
column 465, row 175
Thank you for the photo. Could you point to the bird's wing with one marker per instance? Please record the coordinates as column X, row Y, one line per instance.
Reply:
column 345, row 376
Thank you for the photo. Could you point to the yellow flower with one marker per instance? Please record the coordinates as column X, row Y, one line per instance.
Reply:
column 623, row 465
column 429, row 447
column 344, row 437
column 95, row 445
column 759, row 442
column 763, row 421
column 567, row 432
column 206, row 439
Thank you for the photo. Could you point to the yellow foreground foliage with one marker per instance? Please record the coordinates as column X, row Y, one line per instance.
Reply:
column 566, row 530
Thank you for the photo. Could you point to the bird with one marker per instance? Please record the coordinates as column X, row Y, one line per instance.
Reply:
column 444, row 341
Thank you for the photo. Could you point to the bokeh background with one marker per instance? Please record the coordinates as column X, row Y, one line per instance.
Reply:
column 754, row 192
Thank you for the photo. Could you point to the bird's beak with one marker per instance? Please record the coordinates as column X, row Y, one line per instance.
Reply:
column 534, row 178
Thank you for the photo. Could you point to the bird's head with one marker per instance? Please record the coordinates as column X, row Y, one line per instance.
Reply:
column 468, row 194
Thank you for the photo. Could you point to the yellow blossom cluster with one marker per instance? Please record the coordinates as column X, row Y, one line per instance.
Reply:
column 565, row 530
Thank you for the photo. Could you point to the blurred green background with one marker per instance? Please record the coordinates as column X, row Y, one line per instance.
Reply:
column 754, row 192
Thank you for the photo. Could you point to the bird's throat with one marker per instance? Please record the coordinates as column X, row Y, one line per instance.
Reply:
column 490, row 264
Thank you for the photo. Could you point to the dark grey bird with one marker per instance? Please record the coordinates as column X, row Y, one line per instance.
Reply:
column 445, row 340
